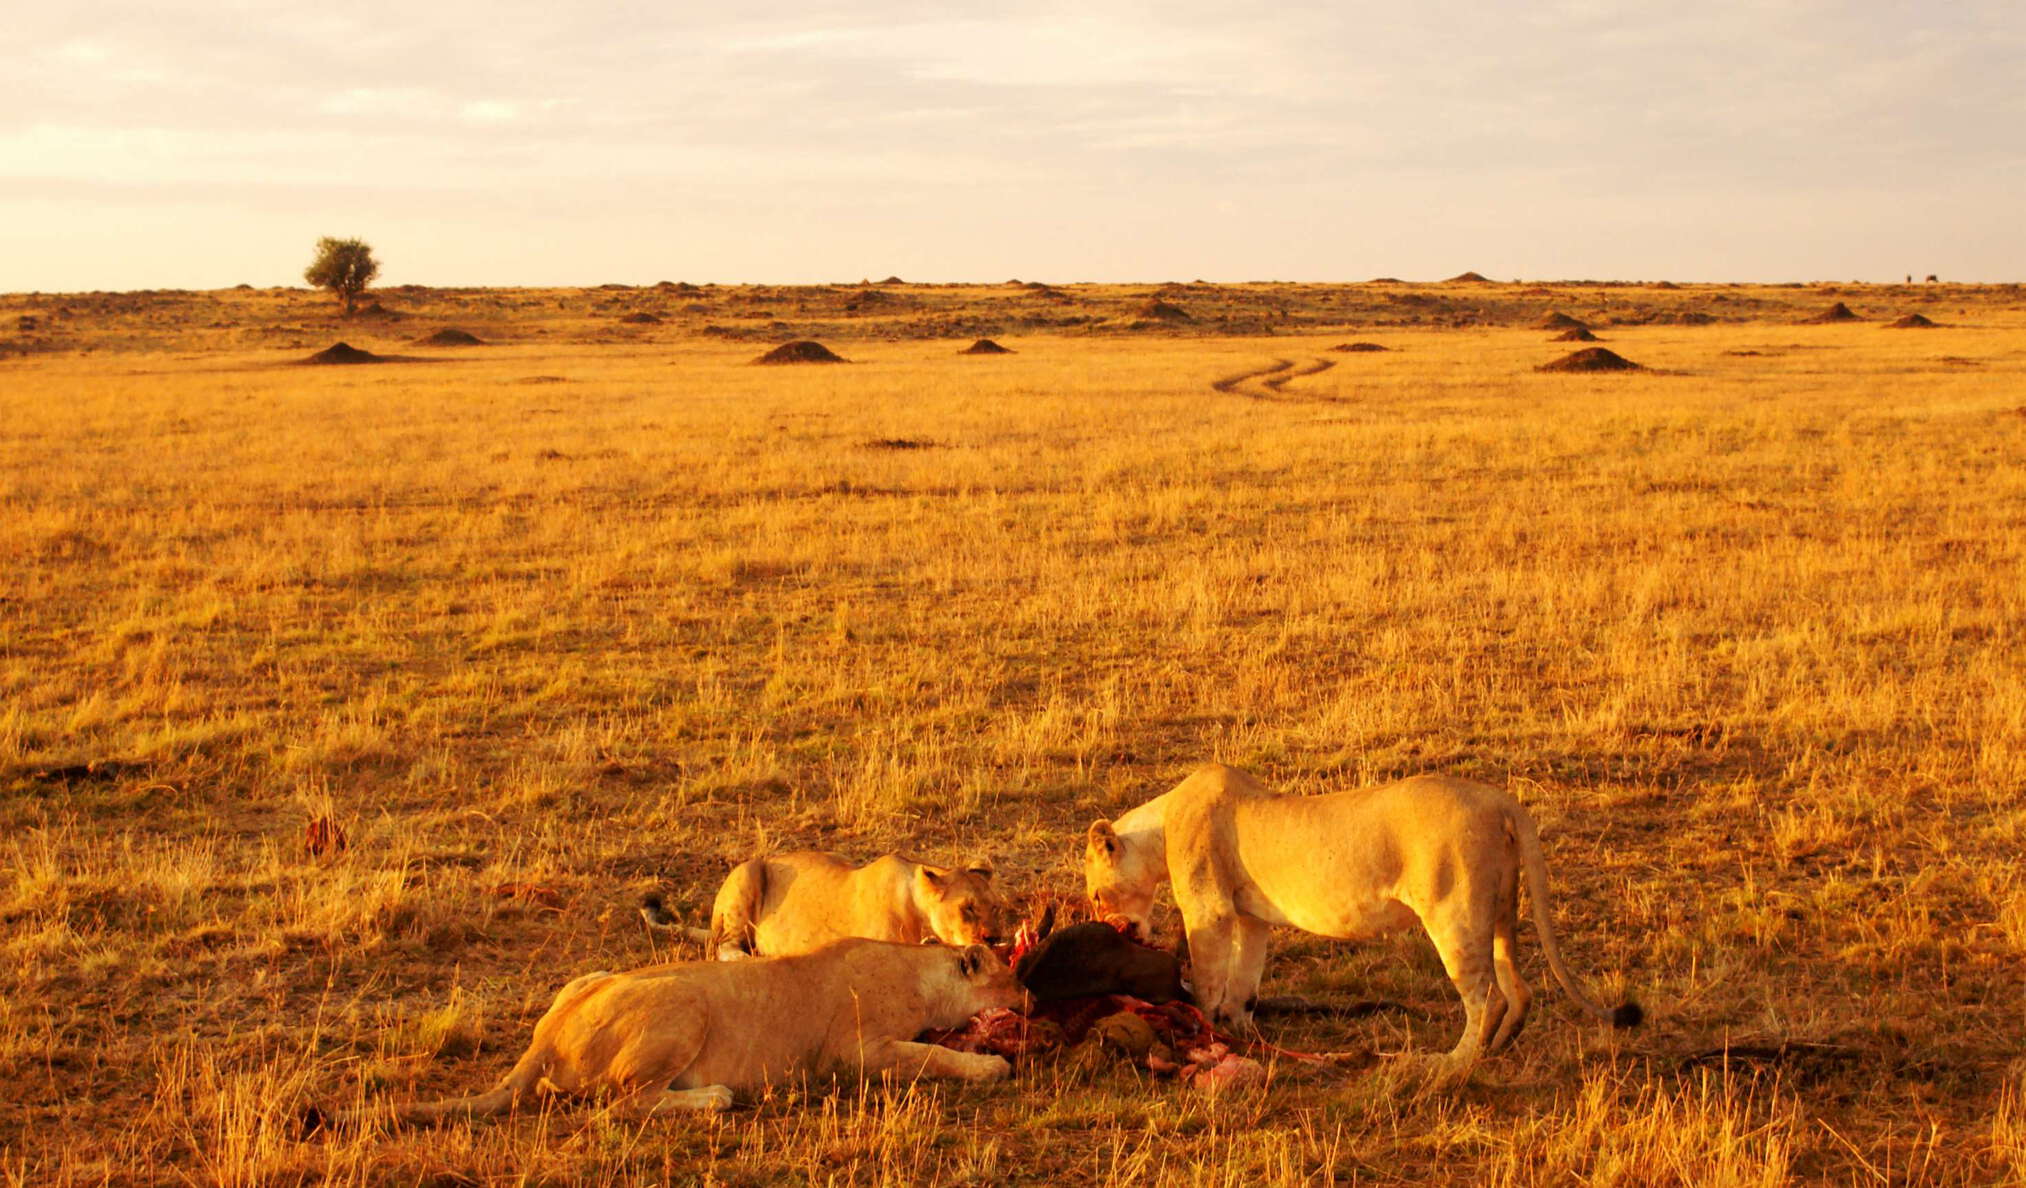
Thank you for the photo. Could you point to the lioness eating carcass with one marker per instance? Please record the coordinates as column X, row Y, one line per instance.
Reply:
column 1448, row 852
column 685, row 1036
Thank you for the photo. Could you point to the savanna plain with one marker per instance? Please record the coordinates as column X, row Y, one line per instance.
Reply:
column 598, row 607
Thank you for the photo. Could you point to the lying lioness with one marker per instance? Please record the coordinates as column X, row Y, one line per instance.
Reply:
column 1353, row 864
column 783, row 904
column 685, row 1036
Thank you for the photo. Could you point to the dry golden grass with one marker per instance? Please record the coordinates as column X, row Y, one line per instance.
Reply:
column 1744, row 631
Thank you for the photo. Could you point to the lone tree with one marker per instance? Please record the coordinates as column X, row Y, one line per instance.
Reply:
column 345, row 267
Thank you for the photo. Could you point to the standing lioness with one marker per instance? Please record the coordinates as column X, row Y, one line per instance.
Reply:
column 1448, row 852
column 783, row 904
column 684, row 1036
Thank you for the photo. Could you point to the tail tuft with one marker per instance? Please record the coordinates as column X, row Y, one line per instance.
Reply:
column 1627, row 1014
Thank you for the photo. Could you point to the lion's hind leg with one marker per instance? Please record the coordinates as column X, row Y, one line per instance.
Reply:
column 1466, row 951
column 708, row 1099
column 1512, row 988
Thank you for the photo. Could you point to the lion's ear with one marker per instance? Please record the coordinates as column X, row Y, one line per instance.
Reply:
column 982, row 867
column 1103, row 836
column 931, row 877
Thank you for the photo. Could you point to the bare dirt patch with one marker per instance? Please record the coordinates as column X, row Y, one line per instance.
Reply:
column 1593, row 359
column 805, row 351
column 345, row 354
column 450, row 336
column 1838, row 312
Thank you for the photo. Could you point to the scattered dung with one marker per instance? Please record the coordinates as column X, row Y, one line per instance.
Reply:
column 1593, row 359
column 800, row 352
column 641, row 319
column 1913, row 322
column 1838, row 312
column 985, row 346
column 450, row 337
column 1471, row 278
column 1560, row 321
column 1354, row 348
column 1162, row 311
column 1579, row 334
column 343, row 352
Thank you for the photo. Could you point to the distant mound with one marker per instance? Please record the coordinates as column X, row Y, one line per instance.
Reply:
column 1161, row 311
column 1593, row 359
column 1912, row 322
column 343, row 352
column 1048, row 292
column 450, row 336
column 1385, row 280
column 374, row 309
column 893, row 280
column 1579, row 334
column 800, row 352
column 1838, row 312
column 677, row 287
column 1468, row 278
column 1560, row 321
column 1354, row 348
column 985, row 346
column 641, row 319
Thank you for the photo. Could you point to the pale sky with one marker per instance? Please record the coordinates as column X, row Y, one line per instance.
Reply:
column 175, row 144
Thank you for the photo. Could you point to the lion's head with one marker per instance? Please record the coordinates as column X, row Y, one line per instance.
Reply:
column 1120, row 877
column 963, row 906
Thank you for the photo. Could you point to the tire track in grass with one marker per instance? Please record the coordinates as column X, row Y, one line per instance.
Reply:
column 1230, row 382
column 1270, row 381
column 1314, row 367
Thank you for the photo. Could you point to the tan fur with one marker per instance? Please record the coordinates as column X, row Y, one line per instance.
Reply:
column 1447, row 852
column 685, row 1036
column 784, row 904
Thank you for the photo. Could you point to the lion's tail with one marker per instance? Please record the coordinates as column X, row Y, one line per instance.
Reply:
column 525, row 1075
column 735, row 915
column 1625, row 1014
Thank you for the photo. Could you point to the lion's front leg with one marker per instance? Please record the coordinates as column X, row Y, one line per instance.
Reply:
column 1248, row 965
column 910, row 1060
column 1210, row 964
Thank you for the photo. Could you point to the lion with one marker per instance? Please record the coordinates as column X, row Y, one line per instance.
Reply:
column 687, row 1036
column 783, row 904
column 1353, row 864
